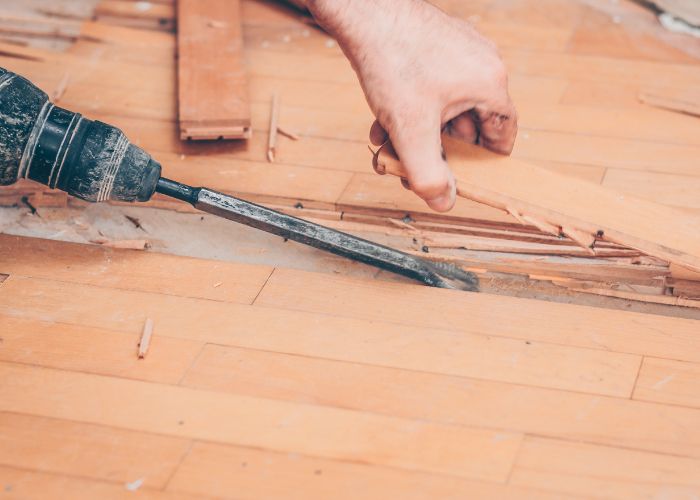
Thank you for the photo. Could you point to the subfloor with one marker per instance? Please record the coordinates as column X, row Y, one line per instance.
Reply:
column 276, row 371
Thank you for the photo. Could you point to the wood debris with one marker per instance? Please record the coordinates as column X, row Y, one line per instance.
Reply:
column 145, row 341
column 213, row 104
column 123, row 244
column 274, row 119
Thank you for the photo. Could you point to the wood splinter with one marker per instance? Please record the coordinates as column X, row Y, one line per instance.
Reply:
column 145, row 341
column 276, row 129
column 274, row 117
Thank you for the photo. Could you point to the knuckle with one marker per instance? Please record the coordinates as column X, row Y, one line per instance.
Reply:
column 498, row 73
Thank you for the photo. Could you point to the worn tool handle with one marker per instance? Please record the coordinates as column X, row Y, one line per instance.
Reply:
column 386, row 161
column 64, row 150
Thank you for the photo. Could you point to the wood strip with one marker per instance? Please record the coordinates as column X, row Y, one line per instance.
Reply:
column 593, row 471
column 375, row 195
column 608, row 152
column 673, row 190
column 87, row 450
column 454, row 400
column 480, row 356
column 619, row 373
column 145, row 340
column 217, row 470
column 458, row 400
column 32, row 485
column 94, row 350
column 505, row 183
column 670, row 382
column 122, row 269
column 279, row 426
column 499, row 316
column 212, row 85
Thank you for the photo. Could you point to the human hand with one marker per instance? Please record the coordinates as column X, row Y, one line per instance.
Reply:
column 423, row 72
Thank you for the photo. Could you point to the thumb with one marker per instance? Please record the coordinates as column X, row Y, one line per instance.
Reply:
column 420, row 152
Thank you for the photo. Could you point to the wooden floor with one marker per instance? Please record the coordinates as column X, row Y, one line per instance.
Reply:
column 265, row 382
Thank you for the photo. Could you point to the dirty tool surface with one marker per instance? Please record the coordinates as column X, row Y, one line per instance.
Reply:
column 437, row 274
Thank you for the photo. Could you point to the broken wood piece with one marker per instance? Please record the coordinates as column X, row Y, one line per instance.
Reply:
column 145, row 341
column 584, row 208
column 212, row 81
column 584, row 239
column 274, row 118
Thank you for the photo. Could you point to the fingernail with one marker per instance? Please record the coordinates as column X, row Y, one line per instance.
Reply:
column 445, row 201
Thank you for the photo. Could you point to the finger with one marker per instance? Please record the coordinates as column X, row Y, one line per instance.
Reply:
column 498, row 127
column 428, row 174
column 377, row 134
column 463, row 127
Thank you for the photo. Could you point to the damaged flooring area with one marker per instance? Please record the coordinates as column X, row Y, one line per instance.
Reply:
column 157, row 351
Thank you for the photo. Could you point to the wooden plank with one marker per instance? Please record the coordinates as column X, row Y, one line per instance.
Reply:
column 480, row 355
column 217, row 470
column 261, row 423
column 598, row 472
column 674, row 190
column 226, row 323
column 670, row 382
column 313, row 187
column 627, row 32
column 87, row 450
column 600, row 69
column 372, row 194
column 212, row 84
column 32, row 485
column 94, row 350
column 417, row 350
column 499, row 316
column 608, row 152
column 244, row 371
column 508, row 184
column 129, row 270
column 467, row 401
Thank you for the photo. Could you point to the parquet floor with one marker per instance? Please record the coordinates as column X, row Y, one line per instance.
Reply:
column 265, row 382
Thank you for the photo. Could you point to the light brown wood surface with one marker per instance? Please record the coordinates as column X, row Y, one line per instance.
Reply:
column 276, row 383
column 570, row 205
column 354, row 385
column 212, row 82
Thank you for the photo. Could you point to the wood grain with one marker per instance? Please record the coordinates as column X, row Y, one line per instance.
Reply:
column 508, row 184
column 212, row 469
column 93, row 451
column 592, row 471
column 668, row 381
column 212, row 84
column 262, row 423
